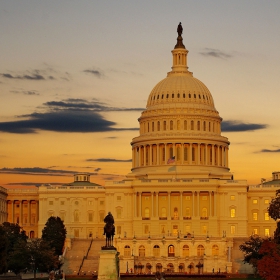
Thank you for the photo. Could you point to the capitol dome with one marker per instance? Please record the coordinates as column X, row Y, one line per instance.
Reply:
column 180, row 127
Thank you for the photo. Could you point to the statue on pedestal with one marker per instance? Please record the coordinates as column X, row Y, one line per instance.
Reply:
column 109, row 231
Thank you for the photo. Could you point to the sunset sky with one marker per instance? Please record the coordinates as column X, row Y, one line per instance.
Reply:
column 75, row 76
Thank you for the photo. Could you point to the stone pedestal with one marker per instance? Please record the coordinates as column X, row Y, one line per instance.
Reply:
column 108, row 265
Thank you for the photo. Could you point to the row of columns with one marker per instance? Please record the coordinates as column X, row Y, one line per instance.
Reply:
column 155, row 208
column 18, row 216
column 197, row 154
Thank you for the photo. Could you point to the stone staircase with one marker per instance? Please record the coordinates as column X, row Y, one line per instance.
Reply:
column 83, row 257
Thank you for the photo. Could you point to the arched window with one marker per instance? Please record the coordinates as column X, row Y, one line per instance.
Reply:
column 153, row 126
column 32, row 234
column 127, row 251
column 185, row 125
column 178, row 153
column 76, row 216
column 198, row 125
column 158, row 126
column 171, row 251
column 215, row 250
column 159, row 267
column 181, row 267
column 178, row 125
column 200, row 250
column 186, row 251
column 163, row 212
column 232, row 212
column 164, row 125
column 204, row 126
column 192, row 125
column 156, row 251
column 147, row 212
column 141, row 251
column 170, row 267
column 171, row 125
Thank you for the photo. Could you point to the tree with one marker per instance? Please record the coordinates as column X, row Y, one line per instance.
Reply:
column 268, row 266
column 54, row 233
column 41, row 256
column 274, row 207
column 3, row 250
column 16, row 242
column 251, row 249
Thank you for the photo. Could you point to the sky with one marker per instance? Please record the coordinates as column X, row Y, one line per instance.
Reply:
column 75, row 77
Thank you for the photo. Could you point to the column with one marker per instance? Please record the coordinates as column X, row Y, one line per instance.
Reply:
column 157, row 204
column 140, row 204
column 213, row 155
column 206, row 154
column 198, row 154
column 165, row 151
column 218, row 155
column 145, row 160
column 169, row 206
column 190, row 153
column 150, row 155
column 181, row 205
column 157, row 154
column 135, row 205
column 152, row 196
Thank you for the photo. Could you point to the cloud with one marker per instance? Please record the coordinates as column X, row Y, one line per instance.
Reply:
column 238, row 126
column 71, row 115
column 108, row 160
column 270, row 151
column 24, row 77
column 97, row 169
column 215, row 53
column 95, row 73
column 25, row 92
column 36, row 171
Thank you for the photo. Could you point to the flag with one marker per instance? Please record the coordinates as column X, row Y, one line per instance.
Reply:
column 171, row 160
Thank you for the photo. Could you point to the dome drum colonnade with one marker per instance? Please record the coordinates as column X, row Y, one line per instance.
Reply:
column 180, row 122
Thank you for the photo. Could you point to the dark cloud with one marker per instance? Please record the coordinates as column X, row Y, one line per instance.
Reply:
column 71, row 115
column 36, row 171
column 96, row 73
column 25, row 92
column 238, row 126
column 215, row 53
column 24, row 77
column 270, row 151
column 109, row 160
column 36, row 184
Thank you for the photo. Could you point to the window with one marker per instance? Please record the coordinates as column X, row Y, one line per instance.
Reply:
column 164, row 125
column 187, row 229
column 266, row 201
column 163, row 212
column 101, row 202
column 156, row 251
column 192, row 125
column 146, row 229
column 198, row 125
column 141, row 251
column 266, row 232
column 119, row 197
column 62, row 202
column 186, row 251
column 119, row 213
column 232, row 212
column 204, row 229
column 188, row 212
column 204, row 212
column 90, row 202
column 185, row 125
column 76, row 202
column 232, row 229
column 266, row 216
column 50, row 202
column 127, row 251
column 175, row 214
column 232, row 197
column 255, row 216
column 76, row 216
column 178, row 125
column 119, row 230
column 215, row 250
column 204, row 197
column 200, row 251
column 90, row 216
column 158, row 126
column 171, row 251
column 171, row 125
column 255, row 231
column 147, row 212
column 175, row 229
column 163, row 229
column 101, row 216
column 255, row 201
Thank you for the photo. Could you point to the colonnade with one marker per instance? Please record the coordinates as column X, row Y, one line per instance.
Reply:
column 194, row 204
column 18, row 214
column 185, row 153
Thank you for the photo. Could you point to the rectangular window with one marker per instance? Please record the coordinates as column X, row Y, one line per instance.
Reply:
column 204, row 229
column 50, row 202
column 119, row 197
column 119, row 230
column 232, row 213
column 232, row 197
column 90, row 202
column 255, row 216
column 266, row 232
column 266, row 201
column 175, row 229
column 232, row 229
column 146, row 229
column 204, row 197
column 101, row 202
column 101, row 217
column 62, row 202
column 255, row 231
column 147, row 198
column 266, row 216
column 255, row 201
column 188, row 197
column 119, row 213
column 188, row 229
column 90, row 217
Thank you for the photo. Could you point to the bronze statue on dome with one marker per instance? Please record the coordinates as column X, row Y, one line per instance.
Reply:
column 180, row 29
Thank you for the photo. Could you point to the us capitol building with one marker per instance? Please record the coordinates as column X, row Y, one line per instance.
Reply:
column 180, row 209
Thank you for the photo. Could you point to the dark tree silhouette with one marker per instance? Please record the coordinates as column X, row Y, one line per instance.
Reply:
column 3, row 251
column 54, row 233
